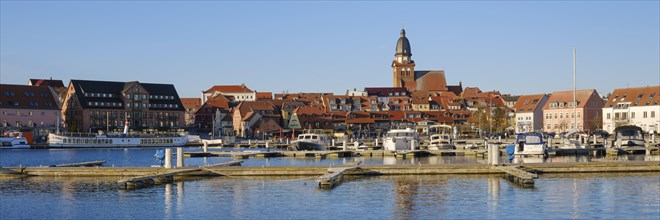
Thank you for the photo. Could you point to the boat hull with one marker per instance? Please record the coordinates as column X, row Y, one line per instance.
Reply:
column 59, row 141
column 303, row 145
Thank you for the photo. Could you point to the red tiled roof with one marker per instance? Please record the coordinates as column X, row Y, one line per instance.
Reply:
column 360, row 121
column 640, row 96
column 528, row 103
column 191, row 103
column 582, row 96
column 264, row 95
column 230, row 89
column 219, row 101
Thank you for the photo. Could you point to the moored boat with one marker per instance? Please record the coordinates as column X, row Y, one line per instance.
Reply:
column 401, row 139
column 14, row 142
column 115, row 140
column 310, row 141
column 628, row 136
column 530, row 144
column 441, row 140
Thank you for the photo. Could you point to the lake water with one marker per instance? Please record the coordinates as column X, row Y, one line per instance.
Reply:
column 584, row 196
column 634, row 196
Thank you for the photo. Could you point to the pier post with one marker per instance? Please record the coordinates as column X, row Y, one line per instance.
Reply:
column 206, row 147
column 376, row 145
column 550, row 143
column 179, row 157
column 333, row 142
column 653, row 137
column 594, row 140
column 412, row 144
column 344, row 145
column 168, row 158
column 493, row 154
column 356, row 144
column 499, row 138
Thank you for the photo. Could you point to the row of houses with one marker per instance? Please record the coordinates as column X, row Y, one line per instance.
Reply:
column 236, row 110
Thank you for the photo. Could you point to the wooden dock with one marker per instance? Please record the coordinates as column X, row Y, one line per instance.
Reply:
column 96, row 163
column 517, row 175
column 335, row 175
column 168, row 177
column 411, row 154
column 152, row 180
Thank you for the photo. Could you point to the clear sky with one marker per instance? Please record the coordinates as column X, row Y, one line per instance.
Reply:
column 514, row 47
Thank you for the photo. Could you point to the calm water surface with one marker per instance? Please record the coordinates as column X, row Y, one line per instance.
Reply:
column 635, row 196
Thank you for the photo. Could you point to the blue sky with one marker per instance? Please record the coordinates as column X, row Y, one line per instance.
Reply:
column 514, row 47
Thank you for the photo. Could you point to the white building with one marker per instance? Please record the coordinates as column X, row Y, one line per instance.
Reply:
column 633, row 106
column 529, row 113
column 238, row 92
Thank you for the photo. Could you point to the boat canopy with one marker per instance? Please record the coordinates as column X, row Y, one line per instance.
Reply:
column 530, row 138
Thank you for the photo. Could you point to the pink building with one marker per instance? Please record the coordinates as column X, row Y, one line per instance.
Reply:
column 32, row 108
column 559, row 114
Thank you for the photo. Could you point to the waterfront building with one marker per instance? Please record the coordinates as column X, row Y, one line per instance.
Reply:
column 105, row 105
column 247, row 115
column 559, row 114
column 190, row 105
column 405, row 75
column 510, row 100
column 286, row 108
column 215, row 113
column 633, row 106
column 529, row 113
column 28, row 107
column 237, row 92
column 313, row 118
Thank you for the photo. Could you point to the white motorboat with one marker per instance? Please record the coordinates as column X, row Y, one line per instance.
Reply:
column 116, row 140
column 310, row 141
column 14, row 142
column 441, row 140
column 628, row 136
column 530, row 144
column 401, row 139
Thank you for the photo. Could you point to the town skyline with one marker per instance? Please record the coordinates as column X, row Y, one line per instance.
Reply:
column 515, row 48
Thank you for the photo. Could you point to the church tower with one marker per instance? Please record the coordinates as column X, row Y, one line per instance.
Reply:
column 403, row 66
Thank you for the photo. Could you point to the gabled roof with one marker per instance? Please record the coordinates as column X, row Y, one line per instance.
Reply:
column 250, row 106
column 218, row 101
column 529, row 103
column 582, row 97
column 640, row 96
column 191, row 103
column 307, row 110
column 230, row 89
column 26, row 97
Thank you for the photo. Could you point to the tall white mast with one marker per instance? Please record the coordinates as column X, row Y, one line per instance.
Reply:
column 574, row 91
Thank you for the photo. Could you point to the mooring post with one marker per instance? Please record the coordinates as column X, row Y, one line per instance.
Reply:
column 344, row 144
column 356, row 144
column 549, row 143
column 333, row 142
column 179, row 157
column 412, row 144
column 168, row 158
column 376, row 142
column 206, row 147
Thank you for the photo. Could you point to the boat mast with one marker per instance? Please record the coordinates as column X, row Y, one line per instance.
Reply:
column 574, row 91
